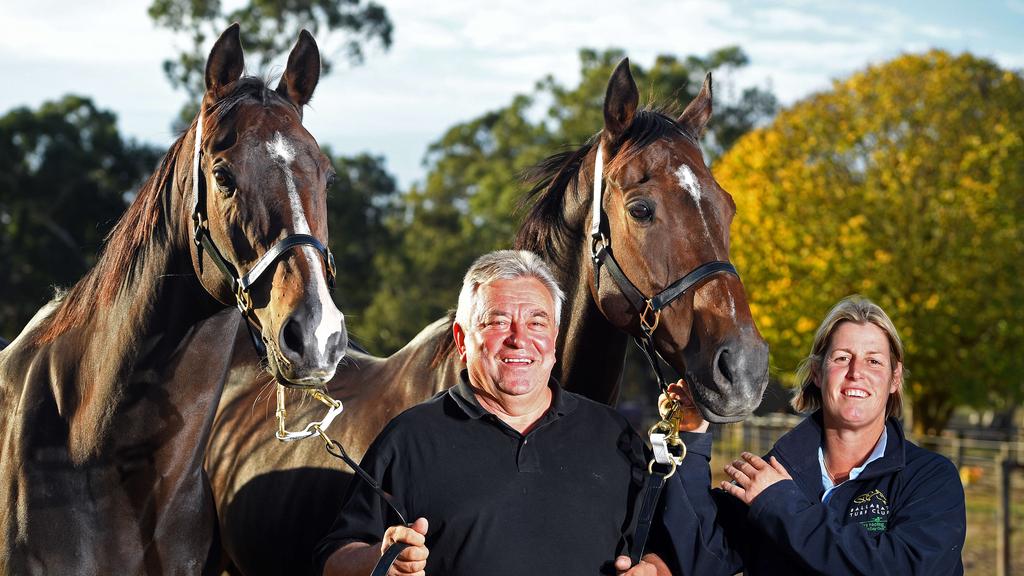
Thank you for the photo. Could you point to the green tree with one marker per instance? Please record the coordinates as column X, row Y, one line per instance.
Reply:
column 468, row 203
column 268, row 30
column 902, row 183
column 363, row 198
column 65, row 175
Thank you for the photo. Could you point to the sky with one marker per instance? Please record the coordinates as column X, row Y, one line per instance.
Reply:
column 452, row 60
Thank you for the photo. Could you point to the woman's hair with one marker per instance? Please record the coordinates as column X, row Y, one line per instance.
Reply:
column 859, row 310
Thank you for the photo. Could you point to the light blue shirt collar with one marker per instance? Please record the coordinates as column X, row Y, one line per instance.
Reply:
column 826, row 482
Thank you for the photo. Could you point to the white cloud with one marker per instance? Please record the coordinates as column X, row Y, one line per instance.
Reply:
column 455, row 59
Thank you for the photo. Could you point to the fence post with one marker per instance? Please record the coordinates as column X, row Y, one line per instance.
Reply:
column 1003, row 525
column 958, row 449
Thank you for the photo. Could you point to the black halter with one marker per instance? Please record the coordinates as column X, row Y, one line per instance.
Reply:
column 648, row 308
column 240, row 283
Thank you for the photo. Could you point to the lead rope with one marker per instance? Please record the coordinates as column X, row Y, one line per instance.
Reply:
column 669, row 451
column 334, row 408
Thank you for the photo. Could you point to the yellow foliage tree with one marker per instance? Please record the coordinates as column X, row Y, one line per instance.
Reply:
column 904, row 183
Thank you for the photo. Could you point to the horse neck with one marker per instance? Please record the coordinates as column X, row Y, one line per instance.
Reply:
column 125, row 344
column 592, row 351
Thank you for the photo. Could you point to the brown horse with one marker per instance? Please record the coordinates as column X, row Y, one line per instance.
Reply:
column 663, row 214
column 108, row 395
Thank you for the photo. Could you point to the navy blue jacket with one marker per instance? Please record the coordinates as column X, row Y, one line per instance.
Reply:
column 904, row 514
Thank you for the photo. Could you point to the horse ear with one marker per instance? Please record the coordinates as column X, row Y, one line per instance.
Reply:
column 303, row 71
column 620, row 101
column 698, row 112
column 226, row 61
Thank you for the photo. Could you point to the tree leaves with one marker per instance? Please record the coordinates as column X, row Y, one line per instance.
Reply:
column 65, row 174
column 902, row 183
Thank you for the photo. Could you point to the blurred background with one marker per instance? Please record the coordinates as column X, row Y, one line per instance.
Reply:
column 871, row 147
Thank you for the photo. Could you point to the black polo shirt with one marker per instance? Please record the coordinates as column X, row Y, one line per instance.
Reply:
column 554, row 501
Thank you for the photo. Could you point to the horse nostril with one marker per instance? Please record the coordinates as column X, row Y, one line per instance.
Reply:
column 292, row 336
column 723, row 365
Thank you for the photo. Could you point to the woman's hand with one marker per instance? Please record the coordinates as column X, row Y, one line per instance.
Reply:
column 751, row 475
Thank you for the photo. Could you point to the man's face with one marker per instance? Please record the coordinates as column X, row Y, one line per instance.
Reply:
column 859, row 376
column 509, row 349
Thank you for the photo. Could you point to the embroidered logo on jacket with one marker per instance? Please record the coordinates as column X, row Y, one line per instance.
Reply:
column 870, row 510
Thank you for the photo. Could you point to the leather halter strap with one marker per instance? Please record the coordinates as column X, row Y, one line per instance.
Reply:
column 649, row 309
column 240, row 283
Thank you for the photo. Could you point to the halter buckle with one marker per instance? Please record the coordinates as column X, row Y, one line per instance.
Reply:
column 647, row 325
column 243, row 299
column 331, row 270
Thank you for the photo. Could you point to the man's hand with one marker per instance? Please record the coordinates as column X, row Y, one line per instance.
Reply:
column 413, row 560
column 752, row 475
column 691, row 420
column 649, row 565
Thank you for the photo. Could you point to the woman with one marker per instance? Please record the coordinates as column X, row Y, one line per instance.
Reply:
column 844, row 492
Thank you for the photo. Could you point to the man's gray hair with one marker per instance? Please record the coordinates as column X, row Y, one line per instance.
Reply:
column 504, row 265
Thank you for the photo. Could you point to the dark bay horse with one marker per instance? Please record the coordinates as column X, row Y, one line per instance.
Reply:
column 109, row 393
column 663, row 214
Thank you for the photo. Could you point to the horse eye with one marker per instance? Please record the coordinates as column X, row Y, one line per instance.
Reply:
column 332, row 178
column 641, row 211
column 225, row 181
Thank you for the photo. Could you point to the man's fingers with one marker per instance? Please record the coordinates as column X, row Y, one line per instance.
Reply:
column 404, row 534
column 622, row 564
column 414, row 554
column 402, row 566
column 420, row 525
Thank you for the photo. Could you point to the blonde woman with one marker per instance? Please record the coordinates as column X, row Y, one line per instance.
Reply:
column 844, row 492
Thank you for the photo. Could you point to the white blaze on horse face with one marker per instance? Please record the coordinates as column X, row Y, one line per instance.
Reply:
column 688, row 181
column 331, row 318
column 283, row 154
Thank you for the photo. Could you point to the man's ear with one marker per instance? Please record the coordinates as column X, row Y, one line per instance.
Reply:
column 460, row 340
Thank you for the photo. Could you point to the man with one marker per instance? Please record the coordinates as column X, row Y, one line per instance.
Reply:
column 506, row 473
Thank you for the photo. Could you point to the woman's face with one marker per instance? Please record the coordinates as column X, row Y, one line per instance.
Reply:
column 858, row 377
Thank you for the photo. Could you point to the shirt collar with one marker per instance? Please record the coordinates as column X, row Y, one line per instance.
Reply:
column 826, row 481
column 562, row 403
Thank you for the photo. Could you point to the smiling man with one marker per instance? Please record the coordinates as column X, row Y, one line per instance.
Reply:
column 505, row 473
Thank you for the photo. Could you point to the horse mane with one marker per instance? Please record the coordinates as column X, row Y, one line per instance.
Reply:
column 445, row 345
column 545, row 229
column 142, row 222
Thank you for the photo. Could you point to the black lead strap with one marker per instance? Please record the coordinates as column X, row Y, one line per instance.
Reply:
column 391, row 554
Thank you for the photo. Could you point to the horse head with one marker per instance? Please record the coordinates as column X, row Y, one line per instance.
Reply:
column 664, row 217
column 259, row 213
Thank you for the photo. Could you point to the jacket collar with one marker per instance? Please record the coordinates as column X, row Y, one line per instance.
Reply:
column 797, row 450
